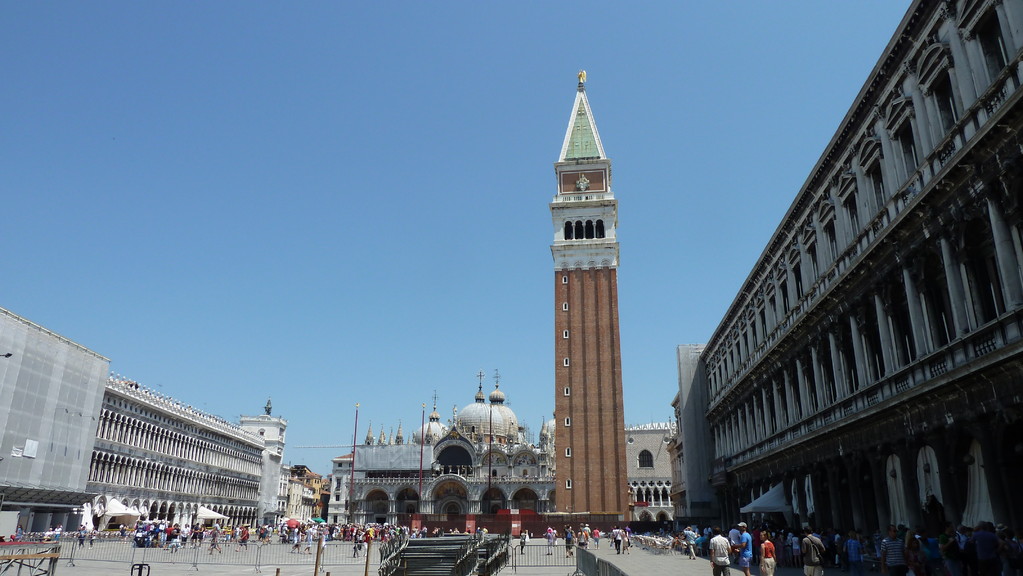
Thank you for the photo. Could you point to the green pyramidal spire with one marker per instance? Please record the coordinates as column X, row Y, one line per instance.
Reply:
column 582, row 140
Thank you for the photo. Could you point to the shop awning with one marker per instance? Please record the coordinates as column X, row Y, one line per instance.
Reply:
column 115, row 508
column 207, row 514
column 771, row 501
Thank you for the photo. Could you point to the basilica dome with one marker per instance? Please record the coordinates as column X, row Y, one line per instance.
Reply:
column 432, row 430
column 510, row 422
column 476, row 420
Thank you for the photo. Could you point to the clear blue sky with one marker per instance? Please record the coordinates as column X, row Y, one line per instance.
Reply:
column 338, row 202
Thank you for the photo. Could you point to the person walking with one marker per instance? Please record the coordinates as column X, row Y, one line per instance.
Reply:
column 215, row 539
column 854, row 553
column 523, row 540
column 813, row 553
column 616, row 536
column 767, row 554
column 893, row 554
column 243, row 539
column 744, row 549
column 720, row 549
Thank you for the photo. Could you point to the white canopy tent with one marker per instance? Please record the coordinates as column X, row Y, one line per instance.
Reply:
column 771, row 501
column 207, row 514
column 115, row 508
column 116, row 513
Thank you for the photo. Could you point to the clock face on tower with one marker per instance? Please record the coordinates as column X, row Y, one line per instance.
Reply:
column 582, row 181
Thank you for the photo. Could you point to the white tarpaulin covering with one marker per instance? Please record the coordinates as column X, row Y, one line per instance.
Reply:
column 771, row 501
column 207, row 514
column 392, row 457
column 115, row 508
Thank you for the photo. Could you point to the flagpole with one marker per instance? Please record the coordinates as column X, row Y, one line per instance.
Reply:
column 422, row 444
column 351, row 480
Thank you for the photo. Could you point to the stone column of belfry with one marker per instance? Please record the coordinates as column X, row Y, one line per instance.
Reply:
column 588, row 407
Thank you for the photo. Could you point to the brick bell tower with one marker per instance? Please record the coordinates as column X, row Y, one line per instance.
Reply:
column 588, row 407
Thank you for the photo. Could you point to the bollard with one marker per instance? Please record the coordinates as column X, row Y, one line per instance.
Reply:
column 278, row 572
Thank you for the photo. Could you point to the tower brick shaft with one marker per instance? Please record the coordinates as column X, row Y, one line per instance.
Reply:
column 588, row 404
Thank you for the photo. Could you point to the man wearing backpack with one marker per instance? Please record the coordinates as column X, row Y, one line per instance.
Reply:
column 813, row 553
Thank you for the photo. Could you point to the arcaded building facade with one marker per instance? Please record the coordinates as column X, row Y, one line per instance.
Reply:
column 156, row 458
column 587, row 345
column 872, row 362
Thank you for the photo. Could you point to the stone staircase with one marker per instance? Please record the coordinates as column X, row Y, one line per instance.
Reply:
column 435, row 556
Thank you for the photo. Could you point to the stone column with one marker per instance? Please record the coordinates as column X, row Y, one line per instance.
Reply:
column 793, row 414
column 862, row 372
column 885, row 334
column 780, row 417
column 1006, row 254
column 877, row 477
column 913, row 303
column 804, row 393
column 956, row 293
column 841, row 387
column 834, row 500
column 944, row 442
column 855, row 489
column 908, row 480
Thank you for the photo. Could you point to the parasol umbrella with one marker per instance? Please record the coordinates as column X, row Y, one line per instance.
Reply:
column 293, row 523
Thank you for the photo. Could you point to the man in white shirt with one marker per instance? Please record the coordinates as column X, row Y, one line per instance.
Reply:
column 720, row 548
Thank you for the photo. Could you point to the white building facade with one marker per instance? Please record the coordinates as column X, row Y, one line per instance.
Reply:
column 649, row 466
column 156, row 458
column 272, row 429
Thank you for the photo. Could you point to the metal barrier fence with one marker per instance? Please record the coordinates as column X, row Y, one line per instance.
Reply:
column 538, row 554
column 589, row 565
column 335, row 553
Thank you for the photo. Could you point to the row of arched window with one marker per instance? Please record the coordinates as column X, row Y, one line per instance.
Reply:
column 112, row 469
column 580, row 230
column 125, row 430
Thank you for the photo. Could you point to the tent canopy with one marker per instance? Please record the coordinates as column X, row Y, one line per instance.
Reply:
column 115, row 508
column 207, row 514
column 771, row 501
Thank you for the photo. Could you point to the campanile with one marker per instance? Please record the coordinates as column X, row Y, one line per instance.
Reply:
column 588, row 407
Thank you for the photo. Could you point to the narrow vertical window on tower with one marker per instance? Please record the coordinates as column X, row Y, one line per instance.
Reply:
column 564, row 306
column 568, row 391
column 566, row 361
column 568, row 452
column 568, row 483
column 568, row 422
column 564, row 279
column 564, row 334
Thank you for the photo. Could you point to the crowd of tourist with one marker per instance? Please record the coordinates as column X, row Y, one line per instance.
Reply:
column 984, row 550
